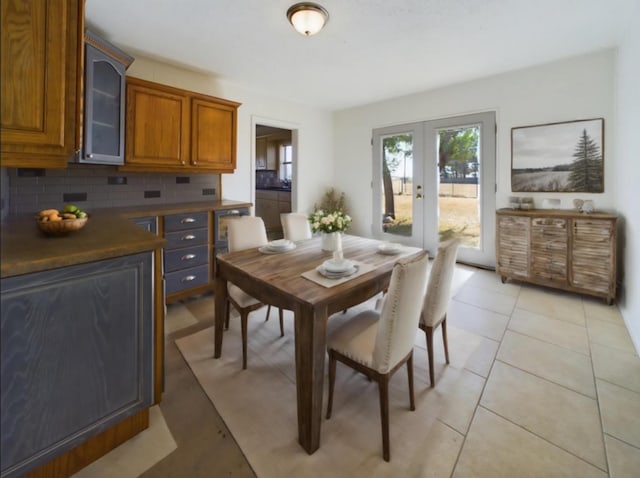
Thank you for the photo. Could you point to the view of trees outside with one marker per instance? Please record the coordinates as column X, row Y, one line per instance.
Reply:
column 458, row 166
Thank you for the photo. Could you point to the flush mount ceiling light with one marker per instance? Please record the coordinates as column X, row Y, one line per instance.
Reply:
column 307, row 18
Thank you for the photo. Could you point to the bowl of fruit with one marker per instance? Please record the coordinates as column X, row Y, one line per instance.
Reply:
column 54, row 222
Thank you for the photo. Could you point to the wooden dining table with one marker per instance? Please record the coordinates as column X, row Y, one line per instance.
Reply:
column 276, row 279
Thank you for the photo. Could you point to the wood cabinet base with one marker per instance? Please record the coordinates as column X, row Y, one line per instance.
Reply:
column 558, row 248
column 203, row 289
column 94, row 448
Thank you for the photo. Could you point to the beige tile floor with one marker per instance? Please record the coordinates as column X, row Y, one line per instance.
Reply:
column 552, row 388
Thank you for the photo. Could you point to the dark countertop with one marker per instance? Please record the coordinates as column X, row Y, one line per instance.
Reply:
column 108, row 233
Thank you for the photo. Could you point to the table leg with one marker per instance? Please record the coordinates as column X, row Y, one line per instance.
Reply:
column 220, row 314
column 310, row 342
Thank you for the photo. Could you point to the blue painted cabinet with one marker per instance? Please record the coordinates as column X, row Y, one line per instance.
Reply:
column 104, row 102
column 76, row 356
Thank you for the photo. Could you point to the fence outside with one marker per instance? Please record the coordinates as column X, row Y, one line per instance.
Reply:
column 448, row 187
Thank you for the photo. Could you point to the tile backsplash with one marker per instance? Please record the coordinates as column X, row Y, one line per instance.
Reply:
column 94, row 187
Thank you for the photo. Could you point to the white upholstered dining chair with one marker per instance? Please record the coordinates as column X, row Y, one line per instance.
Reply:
column 436, row 299
column 378, row 342
column 245, row 232
column 295, row 226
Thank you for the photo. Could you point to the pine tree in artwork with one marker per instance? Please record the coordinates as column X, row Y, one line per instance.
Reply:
column 586, row 169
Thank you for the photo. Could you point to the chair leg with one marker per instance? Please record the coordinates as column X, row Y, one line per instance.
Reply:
column 444, row 339
column 429, row 336
column 281, row 314
column 268, row 312
column 226, row 319
column 332, row 380
column 383, row 387
column 244, row 317
column 412, row 402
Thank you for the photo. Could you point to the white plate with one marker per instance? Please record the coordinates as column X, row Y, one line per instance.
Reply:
column 281, row 245
column 267, row 250
column 390, row 248
column 337, row 275
column 337, row 266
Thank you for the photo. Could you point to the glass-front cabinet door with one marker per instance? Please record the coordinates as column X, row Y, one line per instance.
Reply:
column 104, row 102
column 434, row 181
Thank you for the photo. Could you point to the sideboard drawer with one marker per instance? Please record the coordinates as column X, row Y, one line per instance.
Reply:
column 186, row 257
column 186, row 278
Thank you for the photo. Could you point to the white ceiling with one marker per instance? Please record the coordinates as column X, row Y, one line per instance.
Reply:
column 370, row 49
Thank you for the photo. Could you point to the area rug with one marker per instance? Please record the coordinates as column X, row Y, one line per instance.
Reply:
column 259, row 404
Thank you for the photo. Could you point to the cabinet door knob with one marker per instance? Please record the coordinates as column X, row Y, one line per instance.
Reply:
column 194, row 162
column 182, row 162
column 188, row 257
column 188, row 220
column 90, row 155
column 187, row 278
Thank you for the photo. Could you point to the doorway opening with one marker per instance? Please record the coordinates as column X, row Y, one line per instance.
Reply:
column 274, row 168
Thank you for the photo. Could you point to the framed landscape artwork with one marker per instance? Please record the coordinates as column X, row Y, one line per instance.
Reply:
column 558, row 157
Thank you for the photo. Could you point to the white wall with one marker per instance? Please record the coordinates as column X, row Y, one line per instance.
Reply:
column 577, row 88
column 314, row 165
column 628, row 177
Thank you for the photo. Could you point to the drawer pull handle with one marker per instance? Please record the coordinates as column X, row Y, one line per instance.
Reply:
column 187, row 278
column 187, row 220
column 188, row 237
column 234, row 212
column 188, row 257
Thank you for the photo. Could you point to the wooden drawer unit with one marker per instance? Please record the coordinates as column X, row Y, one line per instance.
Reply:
column 558, row 248
column 187, row 254
column 513, row 246
column 549, row 248
column 593, row 258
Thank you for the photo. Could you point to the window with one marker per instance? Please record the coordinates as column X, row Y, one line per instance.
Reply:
column 286, row 156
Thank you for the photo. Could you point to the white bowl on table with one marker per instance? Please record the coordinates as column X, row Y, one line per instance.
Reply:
column 337, row 266
column 390, row 248
column 280, row 245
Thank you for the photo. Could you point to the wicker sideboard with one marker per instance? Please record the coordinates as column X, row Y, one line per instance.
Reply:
column 558, row 248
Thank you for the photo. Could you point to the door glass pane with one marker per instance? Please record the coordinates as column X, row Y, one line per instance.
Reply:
column 397, row 184
column 106, row 110
column 459, row 180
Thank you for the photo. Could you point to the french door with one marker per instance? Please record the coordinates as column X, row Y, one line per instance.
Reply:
column 435, row 180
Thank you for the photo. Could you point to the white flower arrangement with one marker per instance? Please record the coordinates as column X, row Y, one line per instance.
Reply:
column 330, row 215
column 335, row 221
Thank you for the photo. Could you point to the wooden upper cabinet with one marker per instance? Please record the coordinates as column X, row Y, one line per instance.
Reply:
column 41, row 52
column 213, row 135
column 173, row 130
column 157, row 125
